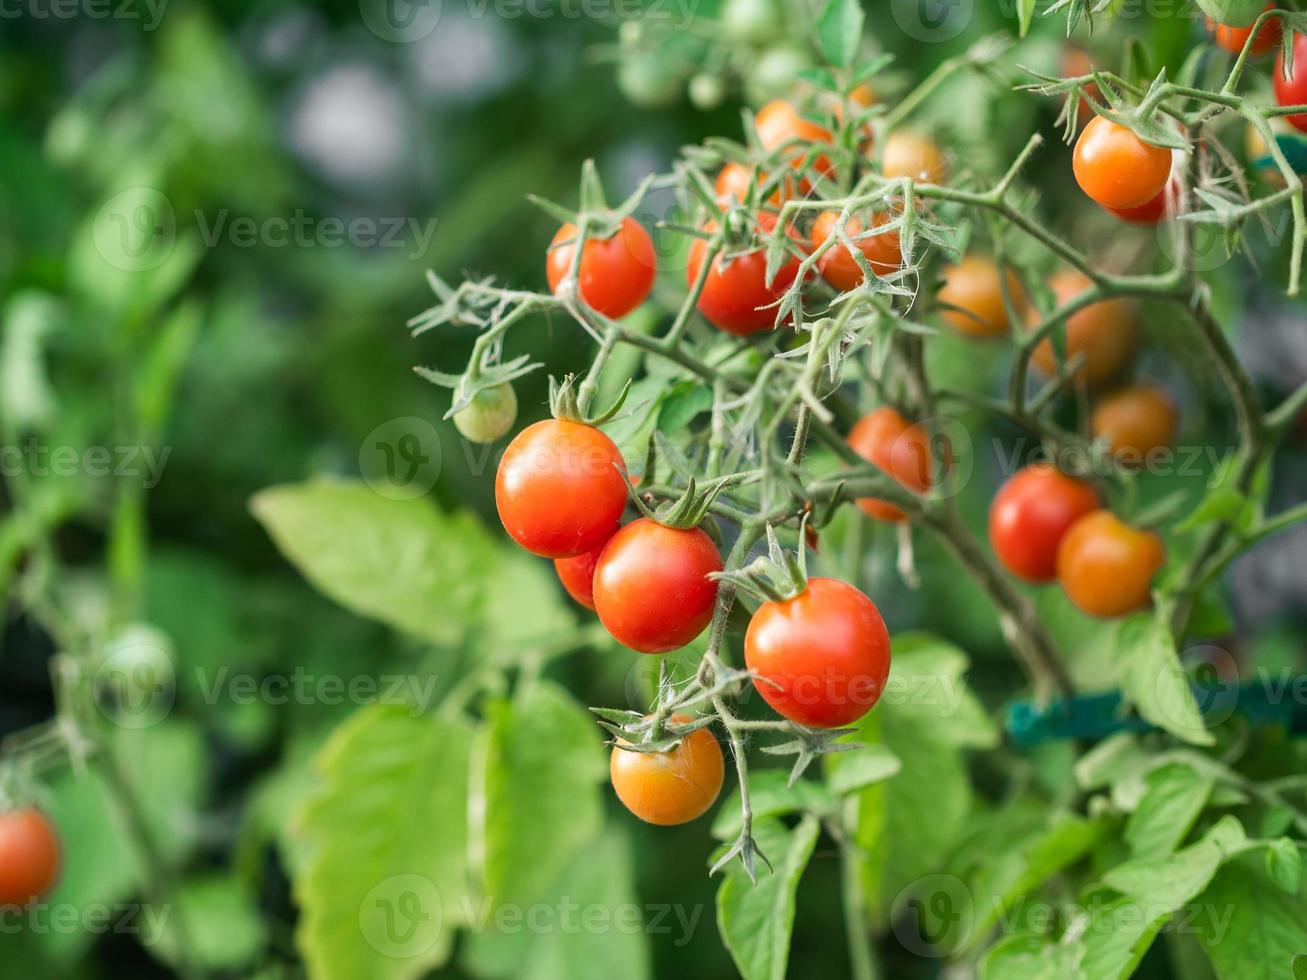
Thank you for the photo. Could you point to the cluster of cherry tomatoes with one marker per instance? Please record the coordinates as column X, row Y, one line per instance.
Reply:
column 29, row 856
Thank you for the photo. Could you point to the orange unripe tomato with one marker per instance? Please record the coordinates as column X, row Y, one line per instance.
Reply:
column 1134, row 421
column 820, row 658
column 29, row 856
column 1233, row 39
column 1118, row 169
column 898, row 447
column 779, row 122
column 616, row 273
column 1106, row 567
column 909, row 154
column 1105, row 332
column 838, row 267
column 673, row 787
column 974, row 287
column 1031, row 513
column 735, row 179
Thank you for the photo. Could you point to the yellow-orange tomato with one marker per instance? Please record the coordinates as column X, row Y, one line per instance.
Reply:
column 914, row 155
column 1103, row 332
column 1134, row 421
column 29, row 856
column 898, row 447
column 837, row 266
column 1106, row 567
column 778, row 122
column 668, row 788
column 973, row 286
column 1118, row 169
column 735, row 179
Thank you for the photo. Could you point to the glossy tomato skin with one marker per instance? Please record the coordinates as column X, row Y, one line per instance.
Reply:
column 838, row 267
column 1106, row 567
column 651, row 586
column 1293, row 90
column 1118, row 169
column 559, row 489
column 1233, row 39
column 820, row 658
column 29, row 856
column 900, row 448
column 616, row 273
column 1105, row 332
column 736, row 296
column 578, row 574
column 1031, row 513
column 779, row 121
column 1147, row 214
column 974, row 286
column 1135, row 421
column 669, row 788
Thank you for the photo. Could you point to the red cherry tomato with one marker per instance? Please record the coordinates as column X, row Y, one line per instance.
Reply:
column 616, row 273
column 838, row 267
column 1118, row 169
column 559, row 488
column 821, row 658
column 669, row 788
column 578, row 573
column 1106, row 567
column 898, row 447
column 651, row 586
column 736, row 296
column 1030, row 514
column 1293, row 90
column 29, row 856
column 1233, row 39
column 1150, row 213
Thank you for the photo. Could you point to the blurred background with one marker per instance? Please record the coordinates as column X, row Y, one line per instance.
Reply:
column 215, row 220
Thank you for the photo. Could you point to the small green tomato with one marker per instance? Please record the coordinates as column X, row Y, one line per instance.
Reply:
column 706, row 91
column 489, row 416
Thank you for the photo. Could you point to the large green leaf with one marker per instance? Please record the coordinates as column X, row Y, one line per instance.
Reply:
column 403, row 562
column 1176, row 795
column 1153, row 680
column 1250, row 927
column 1026, row 957
column 386, row 844
column 771, row 795
column 756, row 920
column 544, row 762
column 223, row 928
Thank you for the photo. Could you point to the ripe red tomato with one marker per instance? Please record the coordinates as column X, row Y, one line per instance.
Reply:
column 974, row 287
column 779, row 122
column 900, row 448
column 1104, row 332
column 578, row 573
column 1118, row 169
column 1135, row 421
column 736, row 296
column 1150, row 213
column 838, row 267
column 820, row 658
column 616, row 273
column 1233, row 39
column 651, row 586
column 669, row 788
column 1293, row 90
column 29, row 856
column 558, row 489
column 1030, row 514
column 1106, row 567
column 913, row 155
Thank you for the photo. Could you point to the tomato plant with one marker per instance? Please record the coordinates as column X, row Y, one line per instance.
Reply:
column 972, row 296
column 577, row 573
column 900, row 448
column 29, row 856
column 1101, row 336
column 838, row 267
column 1233, row 39
column 1118, row 169
column 1030, row 515
column 737, row 295
column 1105, row 566
column 615, row 273
column 673, row 786
column 1291, row 82
column 1135, row 421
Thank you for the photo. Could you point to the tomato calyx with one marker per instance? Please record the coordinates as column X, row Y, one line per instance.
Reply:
column 658, row 732
column 569, row 402
column 778, row 576
column 691, row 507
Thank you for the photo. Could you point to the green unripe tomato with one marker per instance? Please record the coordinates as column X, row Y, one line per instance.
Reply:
column 706, row 91
column 774, row 73
column 631, row 33
column 750, row 21
column 489, row 416
column 1233, row 13
column 647, row 81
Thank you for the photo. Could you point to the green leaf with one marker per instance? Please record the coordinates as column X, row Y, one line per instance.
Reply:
column 1235, row 13
column 1175, row 796
column 858, row 769
column 1253, row 929
column 544, row 761
column 682, row 404
column 27, row 399
column 770, row 795
column 1117, row 935
column 1153, row 680
column 1027, row 957
column 1300, row 967
column 386, row 838
column 402, row 562
column 839, row 31
column 1025, row 15
column 756, row 921
column 1168, row 882
column 224, row 928
column 1284, row 864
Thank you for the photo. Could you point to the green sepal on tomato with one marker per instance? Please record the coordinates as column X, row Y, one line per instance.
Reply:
column 1233, row 13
